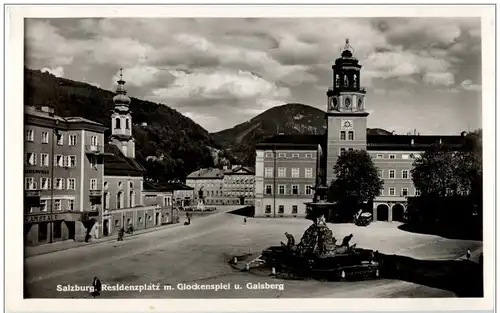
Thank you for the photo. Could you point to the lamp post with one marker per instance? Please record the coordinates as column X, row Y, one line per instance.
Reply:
column 55, row 134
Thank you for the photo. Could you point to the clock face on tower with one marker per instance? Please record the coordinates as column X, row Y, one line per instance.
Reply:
column 347, row 124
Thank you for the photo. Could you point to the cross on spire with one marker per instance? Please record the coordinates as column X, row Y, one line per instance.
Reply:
column 121, row 73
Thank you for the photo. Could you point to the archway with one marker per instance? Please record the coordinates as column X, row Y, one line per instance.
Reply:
column 382, row 212
column 105, row 227
column 119, row 200
column 398, row 212
column 158, row 220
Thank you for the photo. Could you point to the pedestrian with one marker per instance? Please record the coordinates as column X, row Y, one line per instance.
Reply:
column 120, row 234
column 96, row 287
column 468, row 254
column 245, row 220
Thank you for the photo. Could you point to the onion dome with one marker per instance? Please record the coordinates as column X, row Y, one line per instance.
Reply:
column 121, row 98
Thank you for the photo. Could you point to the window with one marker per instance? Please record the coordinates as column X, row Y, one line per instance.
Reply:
column 342, row 135
column 29, row 183
column 72, row 140
column 127, row 126
column 281, row 189
column 117, row 122
column 308, row 190
column 269, row 189
column 294, row 209
column 71, row 205
column 392, row 156
column 30, row 135
column 351, row 135
column 380, row 156
column 392, row 174
column 71, row 184
column 351, row 149
column 392, row 191
column 57, row 205
column 150, row 218
column 381, row 173
column 268, row 208
column 295, row 190
column 342, row 151
column 309, row 172
column 93, row 140
column 44, row 183
column 405, row 174
column 281, row 155
column 295, row 172
column 269, row 155
column 117, row 223
column 45, row 137
column 268, row 172
column 417, row 192
column 281, row 209
column 59, row 184
column 60, row 139
column 405, row 156
column 309, row 155
column 43, row 205
column 92, row 161
column 31, row 158
column 58, row 160
column 44, row 159
column 93, row 184
column 72, row 161
column 404, row 192
column 282, row 172
column 295, row 155
column 131, row 185
column 65, row 161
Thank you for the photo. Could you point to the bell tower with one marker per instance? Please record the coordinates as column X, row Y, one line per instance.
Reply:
column 346, row 115
column 121, row 121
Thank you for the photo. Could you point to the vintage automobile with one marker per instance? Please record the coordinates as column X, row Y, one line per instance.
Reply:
column 364, row 219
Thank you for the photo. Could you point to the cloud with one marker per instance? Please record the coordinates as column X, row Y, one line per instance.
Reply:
column 58, row 71
column 468, row 85
column 439, row 79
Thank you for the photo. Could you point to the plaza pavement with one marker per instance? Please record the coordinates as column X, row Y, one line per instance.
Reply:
column 198, row 253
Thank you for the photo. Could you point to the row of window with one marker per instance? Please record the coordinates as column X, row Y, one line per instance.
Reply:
column 59, row 160
column 295, row 190
column 350, row 135
column 403, row 156
column 284, row 155
column 282, row 172
column 67, row 204
column 403, row 192
column 120, row 185
column 281, row 209
column 72, row 139
column 167, row 201
column 59, row 184
column 120, row 199
column 405, row 174
column 118, row 121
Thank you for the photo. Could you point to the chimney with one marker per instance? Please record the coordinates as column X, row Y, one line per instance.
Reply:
column 48, row 109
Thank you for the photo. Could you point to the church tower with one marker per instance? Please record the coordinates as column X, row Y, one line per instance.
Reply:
column 346, row 110
column 121, row 121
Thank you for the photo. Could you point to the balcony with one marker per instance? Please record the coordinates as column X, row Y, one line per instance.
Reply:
column 95, row 193
column 94, row 149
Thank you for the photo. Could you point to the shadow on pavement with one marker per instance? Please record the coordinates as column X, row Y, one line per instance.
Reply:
column 462, row 277
column 248, row 211
column 463, row 233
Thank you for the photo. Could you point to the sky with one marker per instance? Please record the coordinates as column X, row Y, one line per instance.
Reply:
column 420, row 73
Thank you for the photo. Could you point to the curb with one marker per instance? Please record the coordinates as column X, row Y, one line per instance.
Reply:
column 101, row 241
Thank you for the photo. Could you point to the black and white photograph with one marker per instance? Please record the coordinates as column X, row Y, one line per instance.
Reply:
column 255, row 157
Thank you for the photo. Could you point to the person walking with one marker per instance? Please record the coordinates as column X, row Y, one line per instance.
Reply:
column 96, row 285
column 468, row 254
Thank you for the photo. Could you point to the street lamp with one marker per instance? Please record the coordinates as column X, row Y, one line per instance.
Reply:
column 55, row 134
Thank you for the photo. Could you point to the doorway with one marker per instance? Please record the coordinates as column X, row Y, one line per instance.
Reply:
column 105, row 227
column 158, row 219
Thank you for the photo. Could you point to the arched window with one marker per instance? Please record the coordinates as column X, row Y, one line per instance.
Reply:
column 127, row 126
column 355, row 80
column 132, row 199
column 106, row 201
column 346, row 81
column 117, row 123
column 119, row 199
column 337, row 81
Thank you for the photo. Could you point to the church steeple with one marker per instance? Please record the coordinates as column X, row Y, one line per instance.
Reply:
column 121, row 120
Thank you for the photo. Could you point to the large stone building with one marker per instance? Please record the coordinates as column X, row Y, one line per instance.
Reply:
column 63, row 176
column 233, row 185
column 284, row 163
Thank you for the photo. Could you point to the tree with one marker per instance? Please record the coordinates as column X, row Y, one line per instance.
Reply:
column 357, row 182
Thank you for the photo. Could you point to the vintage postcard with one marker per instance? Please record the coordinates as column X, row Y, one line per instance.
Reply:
column 250, row 158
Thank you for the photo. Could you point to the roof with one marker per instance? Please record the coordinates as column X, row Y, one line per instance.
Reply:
column 76, row 119
column 246, row 169
column 165, row 187
column 62, row 121
column 374, row 142
column 207, row 173
column 309, row 142
column 118, row 164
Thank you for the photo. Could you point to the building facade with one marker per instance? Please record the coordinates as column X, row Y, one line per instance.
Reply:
column 211, row 182
column 63, row 176
column 239, row 185
column 346, row 116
